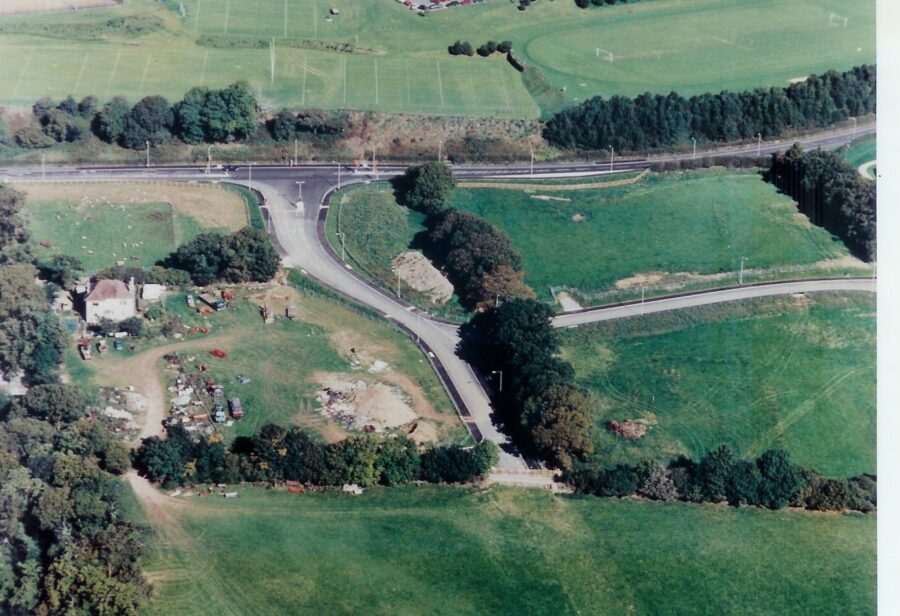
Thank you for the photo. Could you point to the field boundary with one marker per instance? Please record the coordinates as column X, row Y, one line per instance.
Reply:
column 555, row 187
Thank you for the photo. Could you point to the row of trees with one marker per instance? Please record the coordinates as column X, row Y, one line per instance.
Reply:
column 831, row 193
column 654, row 120
column 583, row 4
column 287, row 124
column 243, row 256
column 772, row 480
column 203, row 115
column 478, row 257
column 278, row 454
column 464, row 48
column 66, row 546
column 541, row 406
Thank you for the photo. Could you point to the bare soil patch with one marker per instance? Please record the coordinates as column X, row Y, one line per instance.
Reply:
column 549, row 198
column 360, row 405
column 416, row 270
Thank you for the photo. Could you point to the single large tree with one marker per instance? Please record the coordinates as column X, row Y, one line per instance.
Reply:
column 426, row 187
column 559, row 425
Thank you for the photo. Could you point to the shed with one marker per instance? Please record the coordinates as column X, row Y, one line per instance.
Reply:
column 152, row 292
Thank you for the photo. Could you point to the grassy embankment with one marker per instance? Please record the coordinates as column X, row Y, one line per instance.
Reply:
column 668, row 232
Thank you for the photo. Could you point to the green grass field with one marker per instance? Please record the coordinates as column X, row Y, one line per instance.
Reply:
column 860, row 153
column 791, row 373
column 689, row 46
column 503, row 551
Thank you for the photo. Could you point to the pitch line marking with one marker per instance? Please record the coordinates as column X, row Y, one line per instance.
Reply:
column 227, row 8
column 22, row 72
column 315, row 19
column 440, row 85
column 144, row 76
column 112, row 75
column 80, row 73
column 303, row 94
column 197, row 16
column 408, row 90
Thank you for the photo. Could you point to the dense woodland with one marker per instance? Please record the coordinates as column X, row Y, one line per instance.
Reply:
column 652, row 121
column 65, row 543
column 276, row 454
column 832, row 193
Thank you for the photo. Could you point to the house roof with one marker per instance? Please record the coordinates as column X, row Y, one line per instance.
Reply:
column 109, row 289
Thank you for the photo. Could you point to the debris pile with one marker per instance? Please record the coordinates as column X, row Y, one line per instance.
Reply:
column 630, row 429
column 357, row 405
column 198, row 399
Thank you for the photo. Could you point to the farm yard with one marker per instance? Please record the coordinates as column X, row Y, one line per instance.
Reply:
column 328, row 369
column 136, row 223
column 502, row 551
column 593, row 243
column 796, row 373
column 394, row 60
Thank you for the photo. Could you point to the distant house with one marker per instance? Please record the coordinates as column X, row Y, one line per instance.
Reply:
column 110, row 299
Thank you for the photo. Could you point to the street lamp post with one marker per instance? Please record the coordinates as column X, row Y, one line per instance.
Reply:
column 500, row 372
column 250, row 177
column 148, row 152
column 532, row 162
column 299, row 191
column 339, row 175
column 853, row 136
column 612, row 158
column 642, row 299
column 741, row 272
column 43, row 169
column 758, row 144
column 440, row 150
column 694, row 154
column 208, row 159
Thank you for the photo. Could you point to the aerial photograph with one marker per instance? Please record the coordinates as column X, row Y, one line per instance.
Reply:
column 458, row 307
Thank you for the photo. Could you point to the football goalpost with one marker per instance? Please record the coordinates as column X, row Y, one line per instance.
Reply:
column 609, row 55
column 834, row 19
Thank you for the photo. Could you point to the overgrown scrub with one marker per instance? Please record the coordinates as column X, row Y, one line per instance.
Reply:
column 655, row 121
column 237, row 42
column 772, row 480
column 278, row 454
column 831, row 193
column 131, row 26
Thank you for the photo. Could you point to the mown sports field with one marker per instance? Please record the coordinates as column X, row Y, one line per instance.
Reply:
column 430, row 550
column 399, row 61
column 794, row 373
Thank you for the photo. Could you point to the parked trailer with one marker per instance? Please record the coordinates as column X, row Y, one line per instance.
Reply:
column 213, row 302
column 237, row 408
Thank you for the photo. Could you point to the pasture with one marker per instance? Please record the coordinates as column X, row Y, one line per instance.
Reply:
column 795, row 373
column 138, row 223
column 432, row 550
column 399, row 61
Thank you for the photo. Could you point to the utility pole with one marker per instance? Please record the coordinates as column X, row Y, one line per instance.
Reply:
column 250, row 177
column 642, row 299
column 694, row 155
column 758, row 144
column 374, row 164
column 339, row 175
column 148, row 153
column 440, row 150
column 532, row 162
column 612, row 158
column 500, row 372
column 741, row 273
column 299, row 191
column 853, row 137
column 398, row 283
column 295, row 151
column 208, row 159
column 43, row 170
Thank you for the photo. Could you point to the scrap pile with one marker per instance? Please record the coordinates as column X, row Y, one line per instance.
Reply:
column 357, row 405
column 198, row 399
